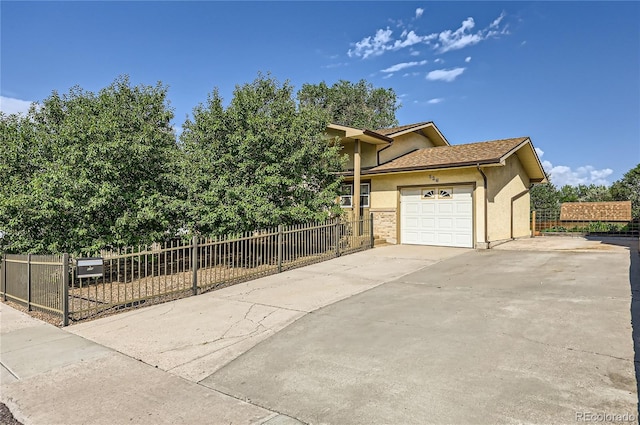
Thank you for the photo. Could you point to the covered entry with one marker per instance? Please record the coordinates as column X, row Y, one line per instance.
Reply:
column 437, row 215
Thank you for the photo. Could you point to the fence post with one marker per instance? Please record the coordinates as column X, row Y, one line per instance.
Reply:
column 279, row 248
column 371, row 228
column 533, row 223
column 194, row 264
column 28, row 282
column 65, row 289
column 337, row 236
column 4, row 277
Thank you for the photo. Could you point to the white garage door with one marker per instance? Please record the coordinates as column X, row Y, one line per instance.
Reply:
column 437, row 216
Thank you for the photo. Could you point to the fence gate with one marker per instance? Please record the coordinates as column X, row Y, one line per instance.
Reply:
column 39, row 282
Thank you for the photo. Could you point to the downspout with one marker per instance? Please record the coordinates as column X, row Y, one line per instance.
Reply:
column 514, row 198
column 486, row 200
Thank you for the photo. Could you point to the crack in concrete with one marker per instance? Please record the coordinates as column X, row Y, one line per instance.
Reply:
column 567, row 348
column 259, row 328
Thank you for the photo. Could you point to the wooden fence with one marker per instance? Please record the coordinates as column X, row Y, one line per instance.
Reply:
column 145, row 275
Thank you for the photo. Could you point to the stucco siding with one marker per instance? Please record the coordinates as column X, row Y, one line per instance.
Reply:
column 368, row 155
column 508, row 201
column 402, row 145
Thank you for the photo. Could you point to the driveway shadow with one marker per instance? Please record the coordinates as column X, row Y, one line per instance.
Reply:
column 634, row 283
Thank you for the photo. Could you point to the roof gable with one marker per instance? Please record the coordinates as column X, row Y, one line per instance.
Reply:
column 472, row 154
column 426, row 128
column 457, row 155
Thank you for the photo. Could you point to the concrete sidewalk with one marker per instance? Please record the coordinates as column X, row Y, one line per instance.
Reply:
column 144, row 366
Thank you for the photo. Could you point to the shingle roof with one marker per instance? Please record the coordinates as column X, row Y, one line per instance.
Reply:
column 596, row 211
column 452, row 156
column 393, row 130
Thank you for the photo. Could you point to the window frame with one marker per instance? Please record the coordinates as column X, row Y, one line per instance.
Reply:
column 366, row 196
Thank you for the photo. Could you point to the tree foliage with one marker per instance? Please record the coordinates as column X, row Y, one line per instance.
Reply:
column 548, row 196
column 262, row 161
column 353, row 104
column 87, row 170
column 628, row 189
column 544, row 197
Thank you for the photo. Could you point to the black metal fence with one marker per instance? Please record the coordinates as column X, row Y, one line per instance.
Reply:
column 145, row 275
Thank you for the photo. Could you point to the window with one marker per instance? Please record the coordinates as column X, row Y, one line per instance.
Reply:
column 445, row 193
column 346, row 198
column 428, row 193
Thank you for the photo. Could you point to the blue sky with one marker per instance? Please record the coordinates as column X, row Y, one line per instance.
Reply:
column 567, row 74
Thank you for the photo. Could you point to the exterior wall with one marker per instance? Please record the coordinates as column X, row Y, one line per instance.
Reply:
column 385, row 198
column 368, row 155
column 404, row 144
column 508, row 201
column 384, row 224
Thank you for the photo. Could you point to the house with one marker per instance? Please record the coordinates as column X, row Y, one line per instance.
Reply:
column 616, row 211
column 423, row 190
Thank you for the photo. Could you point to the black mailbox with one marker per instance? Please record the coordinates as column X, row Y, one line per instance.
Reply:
column 90, row 267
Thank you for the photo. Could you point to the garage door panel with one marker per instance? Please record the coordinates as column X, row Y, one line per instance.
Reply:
column 464, row 208
column 463, row 224
column 428, row 223
column 437, row 221
column 445, row 224
column 412, row 223
column 427, row 207
column 412, row 207
column 444, row 207
column 427, row 238
column 411, row 237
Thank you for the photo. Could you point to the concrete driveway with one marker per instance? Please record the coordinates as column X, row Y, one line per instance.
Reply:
column 501, row 336
column 534, row 331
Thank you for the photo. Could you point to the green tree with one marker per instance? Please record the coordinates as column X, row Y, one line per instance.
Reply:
column 97, row 173
column 585, row 193
column 544, row 197
column 262, row 161
column 356, row 105
column 628, row 189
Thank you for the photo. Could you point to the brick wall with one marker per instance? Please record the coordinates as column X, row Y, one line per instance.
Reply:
column 384, row 224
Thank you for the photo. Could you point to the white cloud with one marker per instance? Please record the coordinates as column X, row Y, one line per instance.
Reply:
column 439, row 60
column 10, row 105
column 562, row 175
column 447, row 75
column 462, row 37
column 387, row 76
column 399, row 66
column 375, row 45
column 497, row 21
column 435, row 100
column 335, row 65
column 410, row 39
column 444, row 41
column 415, row 53
column 467, row 59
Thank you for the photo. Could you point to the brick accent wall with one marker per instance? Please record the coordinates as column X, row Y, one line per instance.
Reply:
column 384, row 224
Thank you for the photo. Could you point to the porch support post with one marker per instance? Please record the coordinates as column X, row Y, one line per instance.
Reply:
column 356, row 180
